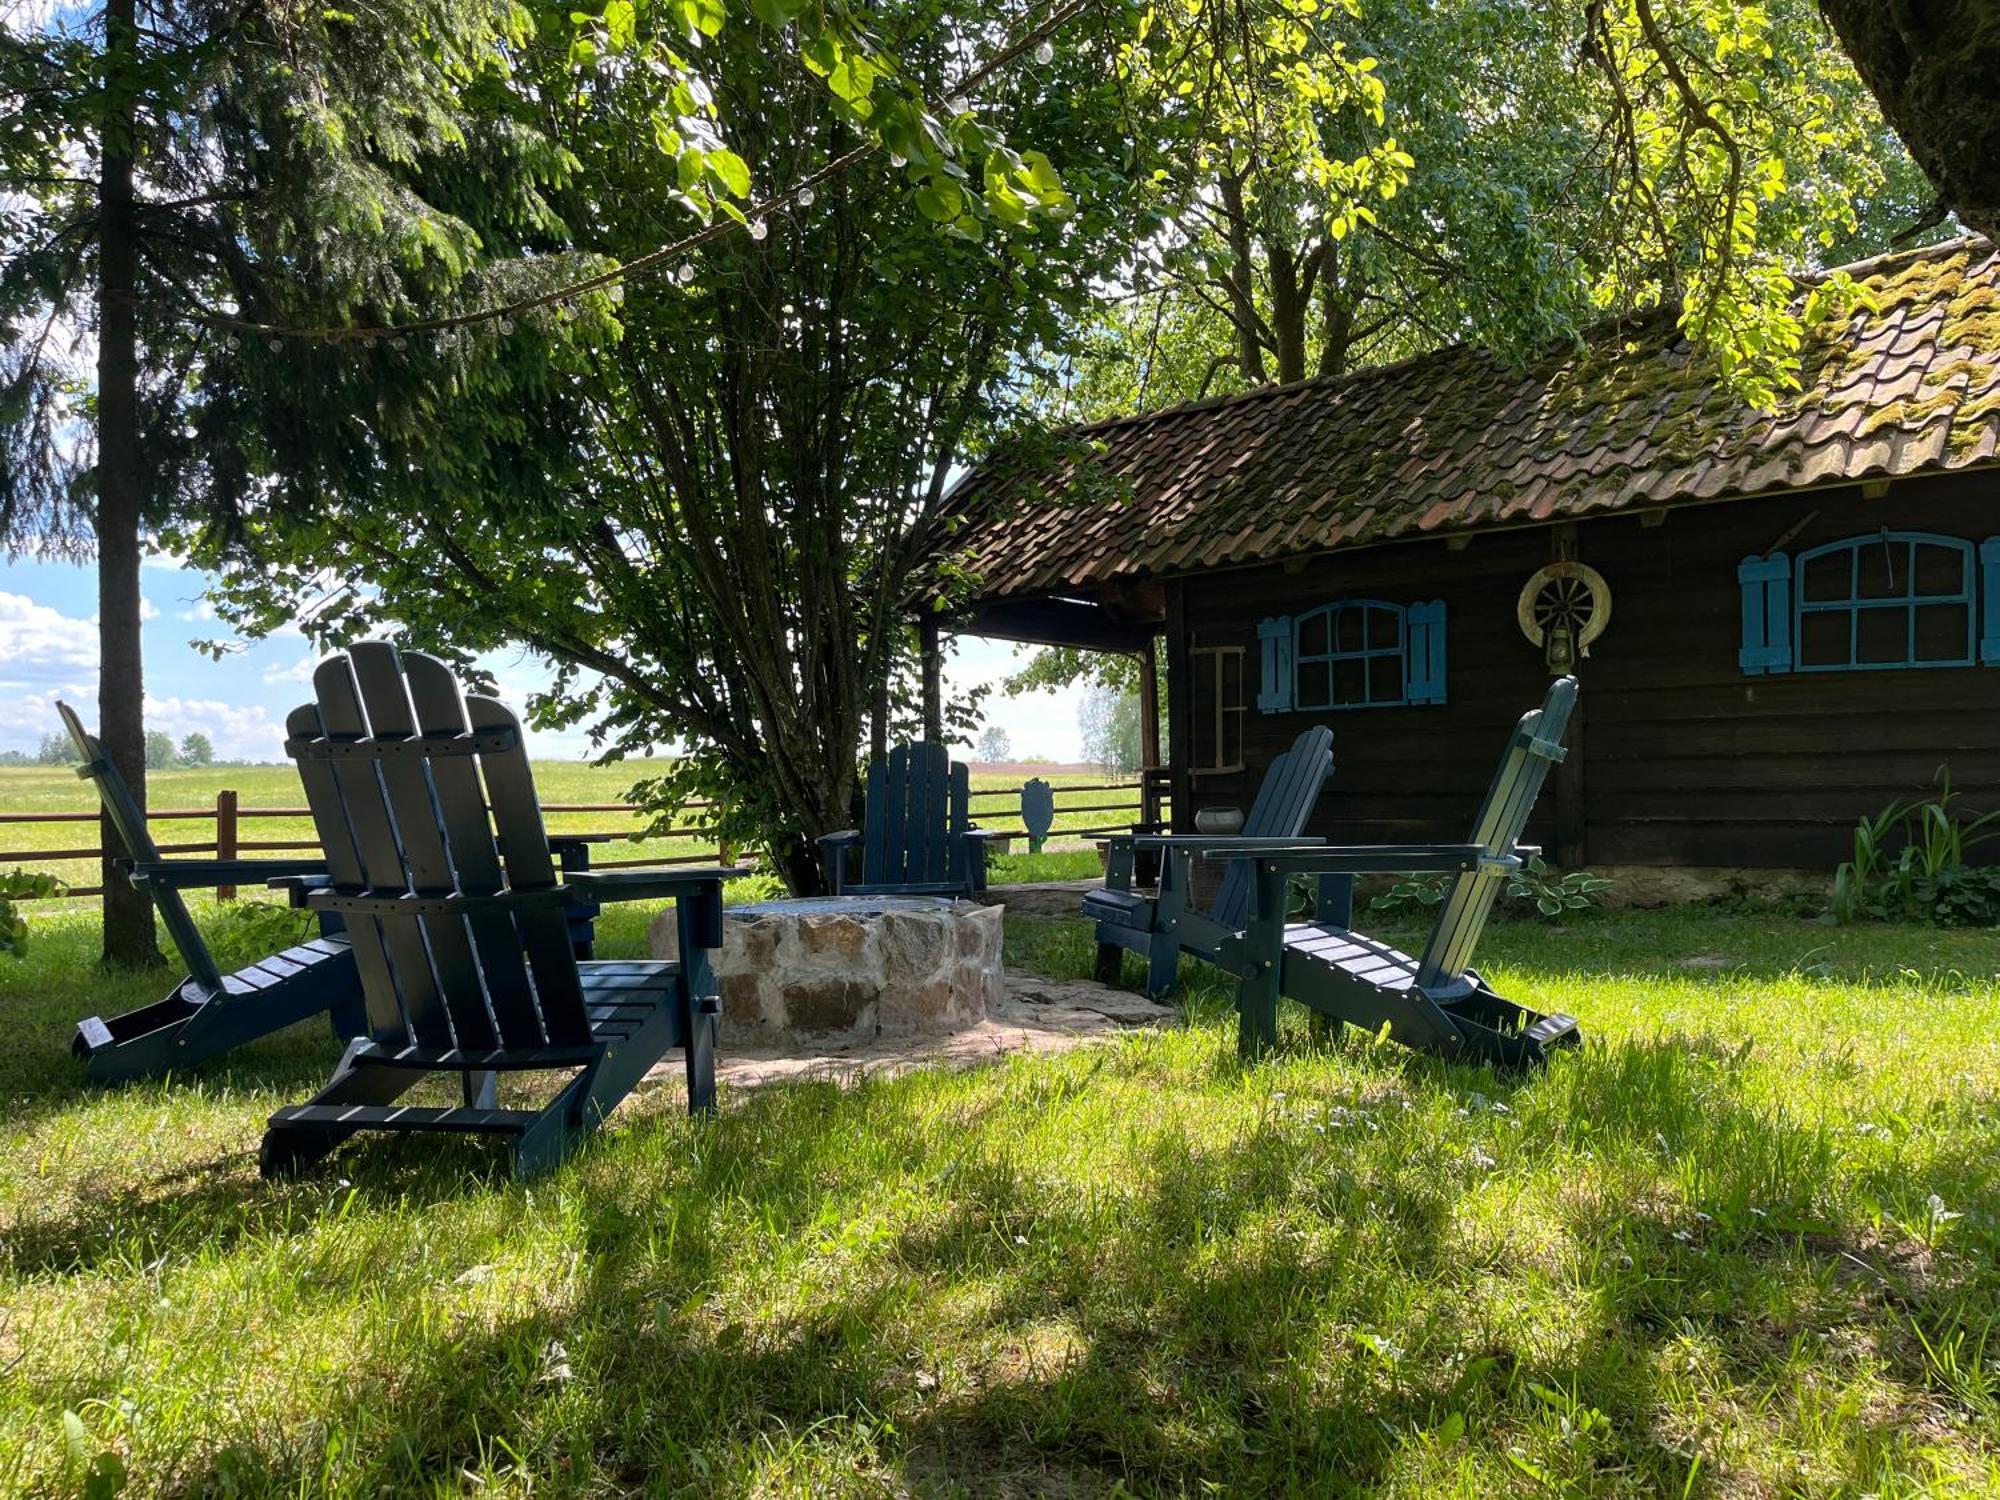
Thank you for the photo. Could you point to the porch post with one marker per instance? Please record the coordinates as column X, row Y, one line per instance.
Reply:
column 1179, row 698
column 933, row 668
column 1149, row 704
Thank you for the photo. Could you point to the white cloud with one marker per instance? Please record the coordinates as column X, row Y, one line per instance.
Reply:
column 238, row 733
column 148, row 610
column 298, row 671
column 39, row 641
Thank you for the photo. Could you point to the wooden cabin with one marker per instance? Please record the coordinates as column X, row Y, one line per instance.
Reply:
column 1782, row 620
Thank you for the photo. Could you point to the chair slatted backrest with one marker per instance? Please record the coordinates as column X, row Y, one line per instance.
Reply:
column 1284, row 803
column 1535, row 745
column 393, row 758
column 919, row 805
column 122, row 810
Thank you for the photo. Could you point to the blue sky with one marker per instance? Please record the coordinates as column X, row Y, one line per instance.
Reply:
column 48, row 650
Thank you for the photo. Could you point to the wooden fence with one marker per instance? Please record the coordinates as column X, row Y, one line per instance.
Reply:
column 229, row 817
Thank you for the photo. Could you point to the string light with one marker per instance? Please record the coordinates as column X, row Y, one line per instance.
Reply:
column 757, row 229
column 686, row 273
column 805, row 196
column 1046, row 53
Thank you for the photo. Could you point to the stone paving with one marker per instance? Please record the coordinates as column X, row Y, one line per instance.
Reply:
column 1030, row 1014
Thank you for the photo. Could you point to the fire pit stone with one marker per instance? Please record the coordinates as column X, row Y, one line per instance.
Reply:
column 849, row 969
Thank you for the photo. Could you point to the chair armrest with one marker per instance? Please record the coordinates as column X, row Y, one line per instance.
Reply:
column 642, row 885
column 1220, row 845
column 175, row 873
column 1366, row 859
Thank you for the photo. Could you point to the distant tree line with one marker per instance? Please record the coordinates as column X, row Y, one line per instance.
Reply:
column 195, row 749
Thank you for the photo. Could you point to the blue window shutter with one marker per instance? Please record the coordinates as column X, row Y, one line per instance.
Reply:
column 1767, row 614
column 1425, row 645
column 1275, row 637
column 1989, row 597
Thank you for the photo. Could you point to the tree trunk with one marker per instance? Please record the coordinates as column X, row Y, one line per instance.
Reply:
column 1241, row 284
column 128, row 910
column 1288, row 313
column 1934, row 66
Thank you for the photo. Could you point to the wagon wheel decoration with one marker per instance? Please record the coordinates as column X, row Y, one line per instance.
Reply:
column 1563, row 608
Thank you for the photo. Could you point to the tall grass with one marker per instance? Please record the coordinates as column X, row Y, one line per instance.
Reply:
column 1743, row 1244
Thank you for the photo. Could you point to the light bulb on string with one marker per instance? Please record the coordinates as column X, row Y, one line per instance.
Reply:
column 806, row 197
column 1046, row 53
column 758, row 229
column 686, row 273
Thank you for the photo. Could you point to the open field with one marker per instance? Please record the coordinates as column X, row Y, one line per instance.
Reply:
column 1742, row 1245
column 37, row 789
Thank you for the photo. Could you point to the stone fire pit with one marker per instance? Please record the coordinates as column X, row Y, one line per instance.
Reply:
column 849, row 969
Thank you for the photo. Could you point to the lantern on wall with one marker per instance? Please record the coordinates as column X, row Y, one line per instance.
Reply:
column 1562, row 609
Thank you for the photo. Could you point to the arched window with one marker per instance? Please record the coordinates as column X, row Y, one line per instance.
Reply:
column 1352, row 653
column 1894, row 599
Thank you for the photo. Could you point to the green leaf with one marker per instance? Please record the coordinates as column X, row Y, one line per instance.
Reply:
column 940, row 203
column 621, row 24
column 730, row 170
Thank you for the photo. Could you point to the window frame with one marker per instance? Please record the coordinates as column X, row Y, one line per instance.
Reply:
column 1224, row 711
column 1909, row 601
column 1366, row 654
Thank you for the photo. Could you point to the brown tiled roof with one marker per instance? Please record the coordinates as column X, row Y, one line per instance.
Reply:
column 1456, row 441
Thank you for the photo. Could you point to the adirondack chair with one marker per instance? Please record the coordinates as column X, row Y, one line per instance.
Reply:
column 208, row 1011
column 919, row 839
column 1434, row 1001
column 1163, row 926
column 458, row 925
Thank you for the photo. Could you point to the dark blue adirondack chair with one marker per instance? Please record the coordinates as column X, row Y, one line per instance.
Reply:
column 919, row 838
column 1163, row 926
column 1434, row 1001
column 207, row 1012
column 439, row 865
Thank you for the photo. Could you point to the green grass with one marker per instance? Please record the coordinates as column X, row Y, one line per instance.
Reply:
column 25, row 789
column 1743, row 1244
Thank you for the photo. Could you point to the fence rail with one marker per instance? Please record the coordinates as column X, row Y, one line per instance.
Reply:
column 229, row 815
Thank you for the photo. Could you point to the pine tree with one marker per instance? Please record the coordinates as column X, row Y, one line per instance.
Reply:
column 169, row 174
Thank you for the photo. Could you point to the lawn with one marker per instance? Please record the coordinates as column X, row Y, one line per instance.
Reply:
column 35, row 789
column 1742, row 1244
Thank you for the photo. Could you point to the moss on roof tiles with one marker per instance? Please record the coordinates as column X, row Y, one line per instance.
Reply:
column 1453, row 440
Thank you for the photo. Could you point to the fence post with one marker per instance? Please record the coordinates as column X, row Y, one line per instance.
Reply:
column 723, row 856
column 225, row 837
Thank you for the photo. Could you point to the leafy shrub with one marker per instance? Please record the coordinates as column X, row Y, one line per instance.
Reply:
column 1555, row 898
column 20, row 885
column 1534, row 887
column 1967, row 896
column 1909, row 864
column 1413, row 893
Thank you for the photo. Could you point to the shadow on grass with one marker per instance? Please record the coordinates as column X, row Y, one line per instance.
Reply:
column 1269, row 1311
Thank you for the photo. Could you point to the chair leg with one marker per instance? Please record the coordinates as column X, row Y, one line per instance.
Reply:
column 701, row 1062
column 1163, row 966
column 1110, row 964
column 1256, row 1014
column 480, row 1090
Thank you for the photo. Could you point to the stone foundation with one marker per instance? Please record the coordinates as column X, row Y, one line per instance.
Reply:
column 839, row 972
